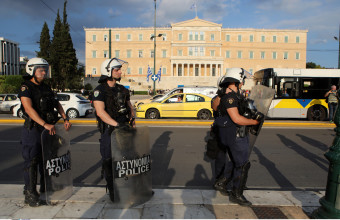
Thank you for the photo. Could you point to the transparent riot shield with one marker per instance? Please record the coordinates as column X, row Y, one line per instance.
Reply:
column 131, row 166
column 57, row 165
column 259, row 100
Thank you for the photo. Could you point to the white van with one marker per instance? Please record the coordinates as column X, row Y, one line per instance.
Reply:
column 205, row 90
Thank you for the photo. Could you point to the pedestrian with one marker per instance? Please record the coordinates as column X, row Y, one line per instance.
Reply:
column 113, row 108
column 233, row 134
column 38, row 104
column 332, row 99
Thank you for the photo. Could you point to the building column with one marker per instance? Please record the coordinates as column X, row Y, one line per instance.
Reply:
column 176, row 69
column 205, row 69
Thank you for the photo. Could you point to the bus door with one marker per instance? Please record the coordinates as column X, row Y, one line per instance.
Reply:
column 285, row 103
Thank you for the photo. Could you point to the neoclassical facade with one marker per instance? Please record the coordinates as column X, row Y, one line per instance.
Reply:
column 193, row 52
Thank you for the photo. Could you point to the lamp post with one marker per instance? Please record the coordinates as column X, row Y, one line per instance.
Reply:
column 338, row 39
column 154, row 53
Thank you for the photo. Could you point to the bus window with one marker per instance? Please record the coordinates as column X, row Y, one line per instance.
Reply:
column 287, row 87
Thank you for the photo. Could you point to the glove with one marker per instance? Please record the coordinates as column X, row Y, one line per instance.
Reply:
column 258, row 116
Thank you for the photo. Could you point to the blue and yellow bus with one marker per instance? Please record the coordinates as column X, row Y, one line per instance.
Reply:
column 299, row 93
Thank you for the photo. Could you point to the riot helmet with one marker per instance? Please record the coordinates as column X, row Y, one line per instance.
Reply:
column 33, row 64
column 234, row 75
column 108, row 65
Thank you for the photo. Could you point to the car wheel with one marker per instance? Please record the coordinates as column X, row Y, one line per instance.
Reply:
column 152, row 114
column 20, row 113
column 72, row 113
column 316, row 113
column 204, row 114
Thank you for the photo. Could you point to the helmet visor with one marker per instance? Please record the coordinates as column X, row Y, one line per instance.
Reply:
column 44, row 68
column 123, row 65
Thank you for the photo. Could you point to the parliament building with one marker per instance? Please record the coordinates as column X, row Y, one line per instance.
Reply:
column 192, row 52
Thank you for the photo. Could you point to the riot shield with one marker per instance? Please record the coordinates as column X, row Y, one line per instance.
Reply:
column 57, row 164
column 259, row 100
column 131, row 165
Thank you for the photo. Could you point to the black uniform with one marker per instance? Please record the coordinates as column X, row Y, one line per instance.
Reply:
column 44, row 103
column 234, row 140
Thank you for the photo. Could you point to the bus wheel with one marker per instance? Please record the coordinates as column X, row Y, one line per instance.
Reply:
column 316, row 113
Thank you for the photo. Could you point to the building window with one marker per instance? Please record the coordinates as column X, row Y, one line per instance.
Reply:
column 164, row 71
column 227, row 54
column 180, row 36
column 140, row 71
column 140, row 53
column 164, row 37
column 263, row 55
column 129, row 37
column 190, row 35
column 227, row 38
column 212, row 53
column 129, row 70
column 274, row 39
column 212, row 37
column 94, row 71
column 297, row 55
column 94, row 54
column 274, row 56
column 190, row 51
column 196, row 51
column 263, row 39
column 202, row 35
column 196, row 35
column 164, row 53
column 94, row 37
column 105, row 37
column 239, row 38
column 117, row 37
column 179, row 71
column 128, row 53
column 251, row 38
column 285, row 55
column 152, row 54
column 201, row 51
column 286, row 39
column 180, row 52
column 239, row 54
column 117, row 53
column 213, row 72
column 251, row 55
column 140, row 37
column 196, row 71
column 297, row 39
column 105, row 53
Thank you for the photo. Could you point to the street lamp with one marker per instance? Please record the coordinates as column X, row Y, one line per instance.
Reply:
column 337, row 39
column 154, row 52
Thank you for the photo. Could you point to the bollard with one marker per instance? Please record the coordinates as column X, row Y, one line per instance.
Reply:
column 330, row 203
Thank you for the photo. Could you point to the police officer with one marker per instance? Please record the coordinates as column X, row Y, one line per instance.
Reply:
column 113, row 108
column 233, row 133
column 38, row 104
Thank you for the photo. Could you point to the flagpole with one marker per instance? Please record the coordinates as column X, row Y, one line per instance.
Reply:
column 196, row 9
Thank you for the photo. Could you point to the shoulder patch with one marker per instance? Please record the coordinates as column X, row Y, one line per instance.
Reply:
column 23, row 88
column 96, row 93
column 230, row 101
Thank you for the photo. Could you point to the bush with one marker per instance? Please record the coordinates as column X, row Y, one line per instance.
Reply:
column 6, row 88
column 14, row 81
column 88, row 87
column 141, row 92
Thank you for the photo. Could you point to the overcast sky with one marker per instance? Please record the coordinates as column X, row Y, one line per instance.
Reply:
column 22, row 20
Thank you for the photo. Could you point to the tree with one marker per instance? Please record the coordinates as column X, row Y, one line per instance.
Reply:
column 311, row 65
column 45, row 43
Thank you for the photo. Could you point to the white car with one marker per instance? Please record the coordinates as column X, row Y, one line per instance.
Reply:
column 75, row 105
column 8, row 101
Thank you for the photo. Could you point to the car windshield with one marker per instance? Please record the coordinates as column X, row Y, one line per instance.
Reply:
column 81, row 97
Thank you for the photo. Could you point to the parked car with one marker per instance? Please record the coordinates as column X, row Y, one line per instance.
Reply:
column 75, row 105
column 8, row 101
column 191, row 105
column 144, row 101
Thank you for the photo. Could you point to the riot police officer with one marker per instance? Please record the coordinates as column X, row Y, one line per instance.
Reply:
column 39, row 106
column 233, row 133
column 113, row 108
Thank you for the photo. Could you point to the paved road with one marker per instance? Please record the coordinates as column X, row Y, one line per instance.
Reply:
column 284, row 158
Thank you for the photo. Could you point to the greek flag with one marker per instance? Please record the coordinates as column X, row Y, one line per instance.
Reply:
column 159, row 74
column 193, row 5
column 149, row 74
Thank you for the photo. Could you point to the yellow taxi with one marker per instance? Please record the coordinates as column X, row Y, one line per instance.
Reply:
column 148, row 100
column 185, row 105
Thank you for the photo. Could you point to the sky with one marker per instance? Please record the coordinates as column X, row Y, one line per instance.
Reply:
column 22, row 20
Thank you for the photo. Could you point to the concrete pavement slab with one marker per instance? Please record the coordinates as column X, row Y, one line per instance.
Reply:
column 10, row 206
column 86, row 194
column 293, row 212
column 171, row 211
column 176, row 196
column 303, row 198
column 111, row 213
column 45, row 211
column 232, row 212
column 211, row 197
column 262, row 197
column 80, row 210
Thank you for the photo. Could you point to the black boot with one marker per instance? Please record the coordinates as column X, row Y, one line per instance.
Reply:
column 236, row 195
column 221, row 185
column 31, row 194
column 107, row 167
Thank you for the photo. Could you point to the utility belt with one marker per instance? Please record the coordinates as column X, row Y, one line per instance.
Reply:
column 102, row 127
column 242, row 131
column 50, row 118
column 29, row 123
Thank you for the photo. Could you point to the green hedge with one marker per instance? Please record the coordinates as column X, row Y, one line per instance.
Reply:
column 141, row 92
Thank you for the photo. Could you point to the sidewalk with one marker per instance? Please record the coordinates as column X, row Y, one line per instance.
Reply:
column 92, row 202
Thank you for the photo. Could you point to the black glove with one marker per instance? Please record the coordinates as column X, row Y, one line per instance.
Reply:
column 258, row 116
